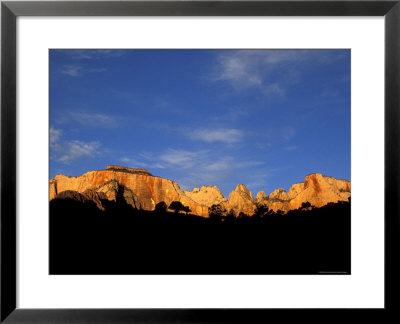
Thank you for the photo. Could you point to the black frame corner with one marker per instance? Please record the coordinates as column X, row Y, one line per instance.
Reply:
column 10, row 10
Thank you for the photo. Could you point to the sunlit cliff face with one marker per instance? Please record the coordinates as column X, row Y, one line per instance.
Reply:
column 143, row 191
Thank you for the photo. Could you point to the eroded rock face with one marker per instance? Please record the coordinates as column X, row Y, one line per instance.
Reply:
column 280, row 194
column 319, row 191
column 295, row 189
column 114, row 191
column 316, row 189
column 147, row 190
column 110, row 189
column 261, row 197
column 86, row 196
column 206, row 195
column 241, row 200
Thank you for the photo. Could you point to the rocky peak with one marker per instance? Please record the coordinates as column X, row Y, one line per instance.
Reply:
column 206, row 195
column 314, row 180
column 319, row 190
column 261, row 197
column 279, row 194
column 242, row 190
column 241, row 200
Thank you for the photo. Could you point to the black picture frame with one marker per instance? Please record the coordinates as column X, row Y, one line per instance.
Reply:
column 10, row 10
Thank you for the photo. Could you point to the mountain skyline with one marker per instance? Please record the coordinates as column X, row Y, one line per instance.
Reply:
column 127, row 221
column 264, row 118
column 144, row 191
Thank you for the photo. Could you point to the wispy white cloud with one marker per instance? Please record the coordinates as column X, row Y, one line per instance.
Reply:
column 274, row 89
column 55, row 135
column 71, row 70
column 89, row 54
column 181, row 158
column 96, row 70
column 77, row 70
column 231, row 114
column 219, row 165
column 290, row 148
column 237, row 68
column 194, row 168
column 257, row 69
column 68, row 151
column 224, row 135
column 258, row 181
column 288, row 132
column 89, row 119
column 274, row 136
column 252, row 68
column 137, row 163
column 198, row 168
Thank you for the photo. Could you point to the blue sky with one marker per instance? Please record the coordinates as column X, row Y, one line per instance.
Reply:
column 264, row 118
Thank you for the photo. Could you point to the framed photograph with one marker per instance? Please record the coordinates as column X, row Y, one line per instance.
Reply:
column 221, row 124
column 195, row 161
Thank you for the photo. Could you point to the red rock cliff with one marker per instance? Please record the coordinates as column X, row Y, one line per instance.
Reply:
column 148, row 189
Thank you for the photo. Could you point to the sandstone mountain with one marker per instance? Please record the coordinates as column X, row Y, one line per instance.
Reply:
column 147, row 190
column 241, row 200
column 317, row 189
column 142, row 190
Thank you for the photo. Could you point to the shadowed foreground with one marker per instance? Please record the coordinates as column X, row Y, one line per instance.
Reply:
column 122, row 240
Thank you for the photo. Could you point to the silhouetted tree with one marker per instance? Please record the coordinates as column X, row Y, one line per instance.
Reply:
column 242, row 215
column 161, row 207
column 261, row 211
column 216, row 212
column 176, row 206
column 230, row 216
column 186, row 209
column 305, row 205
